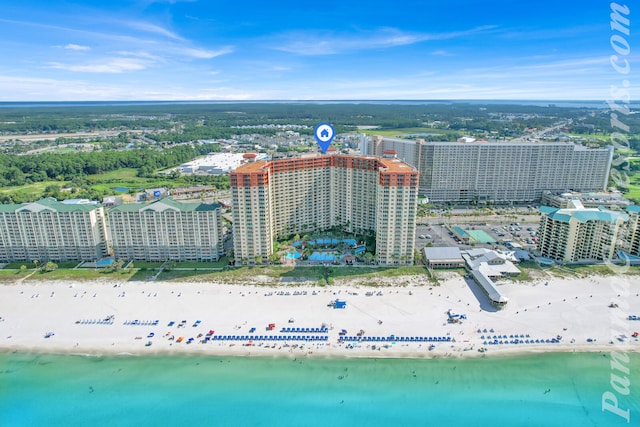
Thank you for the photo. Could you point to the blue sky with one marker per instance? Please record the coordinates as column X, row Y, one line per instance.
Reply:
column 298, row 50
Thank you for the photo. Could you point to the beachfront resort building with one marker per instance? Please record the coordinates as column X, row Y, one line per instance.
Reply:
column 360, row 195
column 579, row 234
column 48, row 230
column 633, row 230
column 166, row 230
column 498, row 172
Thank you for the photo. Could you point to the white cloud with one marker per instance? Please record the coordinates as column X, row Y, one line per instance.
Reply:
column 19, row 88
column 585, row 67
column 72, row 46
column 202, row 53
column 45, row 89
column 142, row 54
column 152, row 28
column 109, row 65
column 329, row 43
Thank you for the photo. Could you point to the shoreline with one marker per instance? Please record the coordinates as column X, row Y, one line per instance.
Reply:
column 324, row 356
column 577, row 310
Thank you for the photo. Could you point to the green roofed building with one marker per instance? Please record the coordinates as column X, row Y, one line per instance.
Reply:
column 166, row 230
column 48, row 230
column 579, row 234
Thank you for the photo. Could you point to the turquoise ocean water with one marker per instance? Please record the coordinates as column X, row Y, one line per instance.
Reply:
column 533, row 390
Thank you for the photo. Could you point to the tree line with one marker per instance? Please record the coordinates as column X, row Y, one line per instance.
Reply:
column 16, row 170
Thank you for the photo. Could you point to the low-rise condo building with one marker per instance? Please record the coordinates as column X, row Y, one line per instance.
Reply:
column 362, row 195
column 166, row 230
column 579, row 234
column 48, row 230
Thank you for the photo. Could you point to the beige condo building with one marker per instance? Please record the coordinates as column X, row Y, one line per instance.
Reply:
column 633, row 231
column 48, row 230
column 361, row 195
column 579, row 234
column 166, row 230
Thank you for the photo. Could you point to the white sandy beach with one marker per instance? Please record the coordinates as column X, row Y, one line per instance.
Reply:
column 575, row 309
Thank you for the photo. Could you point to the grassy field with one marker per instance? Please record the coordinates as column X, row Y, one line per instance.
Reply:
column 126, row 177
column 104, row 183
column 599, row 136
column 10, row 276
column 408, row 131
column 32, row 190
column 222, row 263
column 634, row 187
column 16, row 265
column 633, row 193
column 146, row 264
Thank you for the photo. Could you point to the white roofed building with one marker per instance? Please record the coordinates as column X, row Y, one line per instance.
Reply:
column 217, row 163
column 443, row 257
column 491, row 263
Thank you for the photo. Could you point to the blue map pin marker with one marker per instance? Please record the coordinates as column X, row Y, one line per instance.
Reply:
column 324, row 134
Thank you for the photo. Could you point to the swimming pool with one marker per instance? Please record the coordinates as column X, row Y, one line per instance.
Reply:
column 322, row 256
column 104, row 262
column 293, row 255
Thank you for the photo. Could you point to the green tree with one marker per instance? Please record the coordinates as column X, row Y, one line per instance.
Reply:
column 274, row 258
column 117, row 265
column 50, row 266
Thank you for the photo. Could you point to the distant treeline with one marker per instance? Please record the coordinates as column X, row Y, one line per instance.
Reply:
column 19, row 170
column 186, row 122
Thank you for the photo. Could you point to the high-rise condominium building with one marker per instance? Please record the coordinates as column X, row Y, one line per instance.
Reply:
column 634, row 230
column 499, row 171
column 166, row 230
column 579, row 234
column 48, row 230
column 361, row 195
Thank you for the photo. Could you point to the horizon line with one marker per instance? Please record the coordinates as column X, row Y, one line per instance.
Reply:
column 247, row 101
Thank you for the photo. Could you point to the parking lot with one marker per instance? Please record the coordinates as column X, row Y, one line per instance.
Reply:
column 523, row 234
